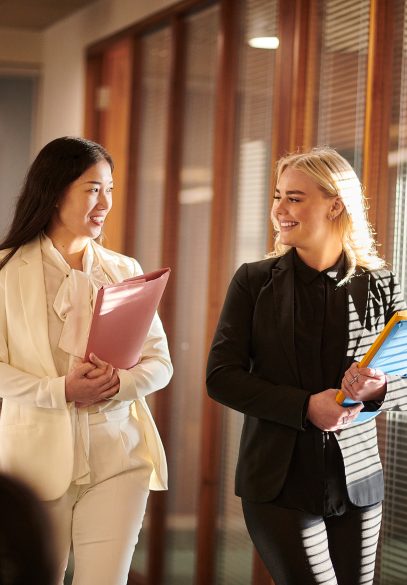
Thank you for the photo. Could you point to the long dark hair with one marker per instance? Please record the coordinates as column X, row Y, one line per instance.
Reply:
column 57, row 165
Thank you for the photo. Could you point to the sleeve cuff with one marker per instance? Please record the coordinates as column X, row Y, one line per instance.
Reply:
column 305, row 412
column 57, row 391
column 128, row 390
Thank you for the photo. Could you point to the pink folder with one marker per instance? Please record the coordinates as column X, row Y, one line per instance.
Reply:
column 122, row 318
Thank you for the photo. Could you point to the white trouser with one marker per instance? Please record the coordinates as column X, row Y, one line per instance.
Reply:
column 102, row 519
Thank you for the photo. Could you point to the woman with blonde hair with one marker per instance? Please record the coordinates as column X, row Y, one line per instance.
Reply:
column 290, row 334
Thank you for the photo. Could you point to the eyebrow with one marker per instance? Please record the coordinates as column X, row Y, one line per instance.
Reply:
column 95, row 182
column 292, row 192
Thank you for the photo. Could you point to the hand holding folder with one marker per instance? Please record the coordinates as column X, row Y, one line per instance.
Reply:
column 388, row 353
column 122, row 318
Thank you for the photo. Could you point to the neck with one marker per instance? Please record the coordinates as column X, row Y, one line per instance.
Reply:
column 323, row 258
column 71, row 250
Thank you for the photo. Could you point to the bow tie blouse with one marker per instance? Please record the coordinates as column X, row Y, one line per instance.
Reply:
column 71, row 295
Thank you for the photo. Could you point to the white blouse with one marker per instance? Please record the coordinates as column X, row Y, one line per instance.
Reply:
column 71, row 295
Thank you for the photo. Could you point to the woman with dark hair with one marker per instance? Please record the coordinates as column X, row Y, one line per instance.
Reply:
column 26, row 544
column 80, row 433
column 291, row 332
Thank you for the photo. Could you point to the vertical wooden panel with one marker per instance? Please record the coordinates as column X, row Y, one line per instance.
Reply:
column 283, row 101
column 300, row 73
column 378, row 114
column 220, row 262
column 114, row 132
column 134, row 143
column 93, row 82
column 312, row 66
column 158, row 503
column 260, row 574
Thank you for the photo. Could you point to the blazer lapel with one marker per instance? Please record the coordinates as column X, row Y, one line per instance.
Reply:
column 283, row 292
column 34, row 302
column 358, row 295
column 116, row 267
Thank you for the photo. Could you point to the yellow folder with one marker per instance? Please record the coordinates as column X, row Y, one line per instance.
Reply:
column 387, row 339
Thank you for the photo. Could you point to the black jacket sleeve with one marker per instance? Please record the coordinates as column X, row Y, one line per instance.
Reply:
column 230, row 379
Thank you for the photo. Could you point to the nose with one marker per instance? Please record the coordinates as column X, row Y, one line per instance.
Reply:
column 104, row 200
column 279, row 207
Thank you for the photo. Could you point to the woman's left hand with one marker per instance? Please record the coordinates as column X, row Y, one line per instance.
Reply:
column 101, row 369
column 364, row 383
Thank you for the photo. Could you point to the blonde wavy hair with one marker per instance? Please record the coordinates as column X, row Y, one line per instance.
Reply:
column 336, row 178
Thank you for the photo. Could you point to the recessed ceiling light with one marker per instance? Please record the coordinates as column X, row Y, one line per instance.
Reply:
column 264, row 42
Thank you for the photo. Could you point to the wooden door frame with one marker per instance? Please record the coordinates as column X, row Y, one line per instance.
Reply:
column 378, row 116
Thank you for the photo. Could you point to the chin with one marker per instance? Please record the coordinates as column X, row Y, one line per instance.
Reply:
column 94, row 231
column 288, row 242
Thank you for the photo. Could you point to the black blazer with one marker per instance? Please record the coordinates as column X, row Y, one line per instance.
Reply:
column 252, row 368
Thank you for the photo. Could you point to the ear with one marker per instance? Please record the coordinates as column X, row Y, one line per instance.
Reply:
column 336, row 208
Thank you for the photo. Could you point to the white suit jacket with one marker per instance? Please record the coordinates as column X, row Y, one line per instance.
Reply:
column 36, row 441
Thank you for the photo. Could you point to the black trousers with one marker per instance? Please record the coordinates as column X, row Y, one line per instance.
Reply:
column 299, row 548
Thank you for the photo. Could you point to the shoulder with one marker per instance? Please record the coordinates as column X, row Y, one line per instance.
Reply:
column 111, row 257
column 383, row 278
column 3, row 253
column 385, row 287
column 28, row 252
column 253, row 276
column 263, row 269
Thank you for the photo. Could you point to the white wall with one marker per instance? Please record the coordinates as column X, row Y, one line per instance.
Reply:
column 61, row 105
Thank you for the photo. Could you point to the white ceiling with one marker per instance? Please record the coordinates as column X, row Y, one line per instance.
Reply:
column 37, row 14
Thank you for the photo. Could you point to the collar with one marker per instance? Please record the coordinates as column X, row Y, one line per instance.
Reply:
column 307, row 274
column 53, row 255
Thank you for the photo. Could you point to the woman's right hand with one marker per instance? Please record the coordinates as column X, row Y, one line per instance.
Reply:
column 86, row 390
column 326, row 414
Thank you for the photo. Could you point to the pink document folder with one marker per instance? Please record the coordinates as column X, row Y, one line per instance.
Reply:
column 122, row 317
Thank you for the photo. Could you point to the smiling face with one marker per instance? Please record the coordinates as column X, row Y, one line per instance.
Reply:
column 80, row 214
column 304, row 214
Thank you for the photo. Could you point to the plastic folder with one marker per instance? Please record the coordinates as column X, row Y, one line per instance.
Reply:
column 388, row 353
column 122, row 318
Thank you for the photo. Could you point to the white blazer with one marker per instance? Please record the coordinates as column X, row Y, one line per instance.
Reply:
column 36, row 441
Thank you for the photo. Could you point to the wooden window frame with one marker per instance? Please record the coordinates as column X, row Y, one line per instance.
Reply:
column 378, row 116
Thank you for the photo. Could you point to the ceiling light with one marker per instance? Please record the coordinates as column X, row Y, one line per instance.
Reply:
column 264, row 42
